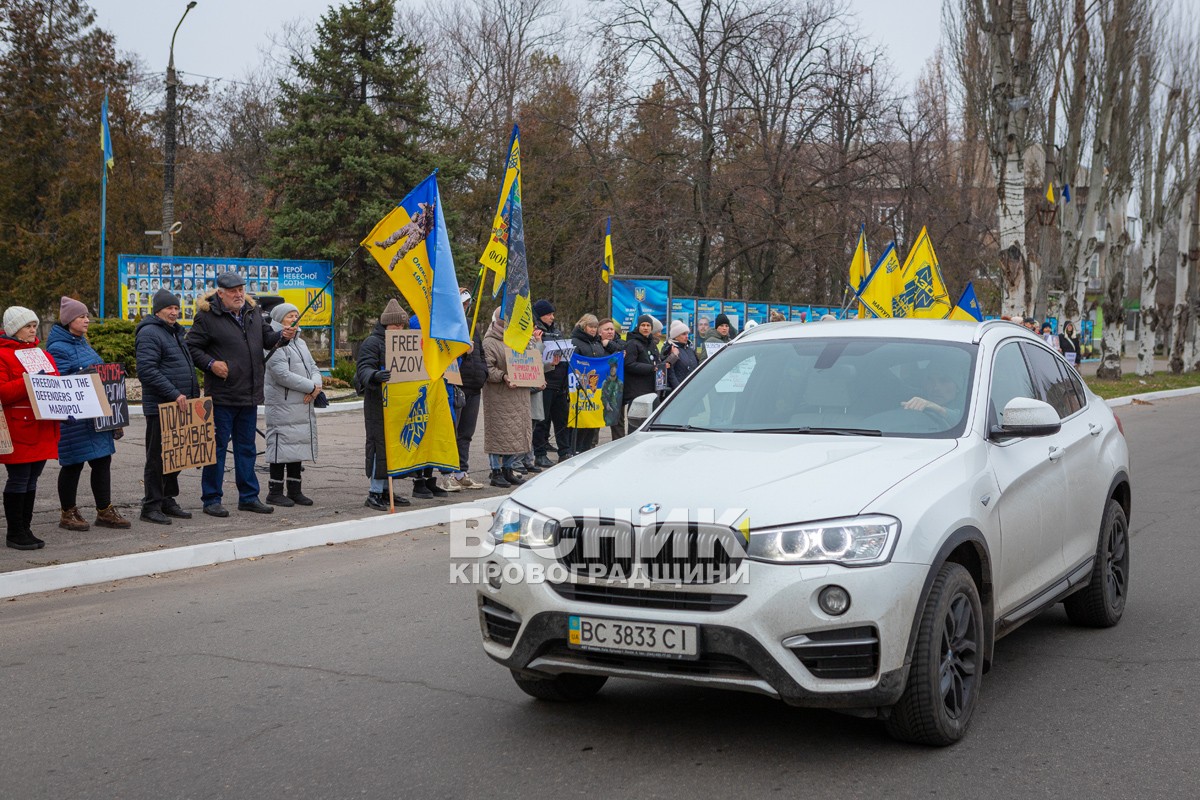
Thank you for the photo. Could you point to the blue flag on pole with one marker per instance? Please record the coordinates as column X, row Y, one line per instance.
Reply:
column 105, row 135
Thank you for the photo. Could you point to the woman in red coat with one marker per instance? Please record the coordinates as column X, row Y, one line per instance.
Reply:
column 34, row 441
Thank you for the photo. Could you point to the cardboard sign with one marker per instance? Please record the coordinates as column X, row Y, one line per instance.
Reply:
column 66, row 396
column 453, row 374
column 525, row 369
column 712, row 348
column 189, row 435
column 403, row 357
column 112, row 380
column 34, row 360
column 6, row 445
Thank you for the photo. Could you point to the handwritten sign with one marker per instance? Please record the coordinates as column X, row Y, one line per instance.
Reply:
column 189, row 436
column 34, row 360
column 404, row 358
column 560, row 347
column 112, row 380
column 712, row 348
column 525, row 369
column 66, row 396
column 6, row 445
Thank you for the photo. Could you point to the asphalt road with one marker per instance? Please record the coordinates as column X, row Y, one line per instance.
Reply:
column 356, row 671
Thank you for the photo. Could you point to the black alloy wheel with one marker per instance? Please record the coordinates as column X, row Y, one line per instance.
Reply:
column 1101, row 603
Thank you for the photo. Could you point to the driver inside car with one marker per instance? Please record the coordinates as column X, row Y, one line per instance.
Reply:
column 939, row 394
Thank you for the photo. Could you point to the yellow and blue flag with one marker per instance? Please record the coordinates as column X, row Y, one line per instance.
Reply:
column 413, row 247
column 106, row 135
column 860, row 264
column 495, row 255
column 608, row 270
column 589, row 381
column 418, row 426
column 516, row 309
column 922, row 293
column 880, row 287
column 967, row 308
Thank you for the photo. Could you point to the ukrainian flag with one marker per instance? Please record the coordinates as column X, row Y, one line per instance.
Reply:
column 860, row 265
column 418, row 426
column 495, row 255
column 105, row 134
column 608, row 270
column 967, row 308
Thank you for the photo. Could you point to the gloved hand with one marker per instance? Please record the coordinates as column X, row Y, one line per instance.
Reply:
column 381, row 376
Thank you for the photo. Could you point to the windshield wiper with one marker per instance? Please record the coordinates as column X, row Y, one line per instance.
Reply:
column 666, row 426
column 816, row 431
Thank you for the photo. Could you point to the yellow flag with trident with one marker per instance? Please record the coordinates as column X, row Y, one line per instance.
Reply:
column 495, row 255
column 860, row 267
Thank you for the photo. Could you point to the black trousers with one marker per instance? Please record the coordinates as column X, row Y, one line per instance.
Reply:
column 585, row 438
column 159, row 487
column 468, row 418
column 555, row 404
column 23, row 478
column 101, row 477
column 292, row 469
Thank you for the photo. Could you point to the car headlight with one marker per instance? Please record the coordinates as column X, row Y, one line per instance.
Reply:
column 516, row 523
column 852, row 542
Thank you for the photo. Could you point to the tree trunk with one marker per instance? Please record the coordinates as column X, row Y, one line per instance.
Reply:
column 1180, row 359
column 1151, row 241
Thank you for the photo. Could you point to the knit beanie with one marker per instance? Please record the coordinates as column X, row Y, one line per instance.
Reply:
column 646, row 318
column 164, row 299
column 282, row 310
column 721, row 320
column 69, row 310
column 17, row 317
column 678, row 328
column 542, row 307
column 393, row 314
column 655, row 325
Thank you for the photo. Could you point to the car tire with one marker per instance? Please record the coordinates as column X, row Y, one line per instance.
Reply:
column 1102, row 602
column 564, row 688
column 947, row 664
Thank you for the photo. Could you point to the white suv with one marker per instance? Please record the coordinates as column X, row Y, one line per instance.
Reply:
column 844, row 515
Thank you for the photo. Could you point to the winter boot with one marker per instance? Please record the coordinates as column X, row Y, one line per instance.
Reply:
column 30, row 499
column 73, row 521
column 14, row 514
column 421, row 490
column 276, row 497
column 512, row 478
column 294, row 493
column 498, row 479
column 434, row 489
column 110, row 518
column 377, row 501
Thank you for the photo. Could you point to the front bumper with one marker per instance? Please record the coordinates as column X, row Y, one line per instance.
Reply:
column 741, row 644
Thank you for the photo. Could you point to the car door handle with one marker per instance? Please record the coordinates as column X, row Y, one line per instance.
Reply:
column 1056, row 453
column 1094, row 429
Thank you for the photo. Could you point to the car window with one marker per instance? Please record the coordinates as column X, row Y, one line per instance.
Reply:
column 1010, row 378
column 896, row 387
column 1053, row 385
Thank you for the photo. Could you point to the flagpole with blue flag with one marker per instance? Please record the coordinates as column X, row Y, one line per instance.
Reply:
column 106, row 156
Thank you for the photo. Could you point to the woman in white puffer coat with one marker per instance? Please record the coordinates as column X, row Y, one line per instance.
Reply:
column 292, row 384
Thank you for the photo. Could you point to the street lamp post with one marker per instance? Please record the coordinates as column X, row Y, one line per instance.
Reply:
column 168, row 248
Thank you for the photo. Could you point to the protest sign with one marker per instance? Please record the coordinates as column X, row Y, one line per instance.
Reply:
column 560, row 347
column 404, row 358
column 34, row 360
column 712, row 348
column 6, row 446
column 525, row 369
column 591, row 384
column 112, row 380
column 188, row 434
column 66, row 396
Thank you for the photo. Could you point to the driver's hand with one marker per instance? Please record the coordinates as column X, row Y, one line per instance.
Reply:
column 921, row 404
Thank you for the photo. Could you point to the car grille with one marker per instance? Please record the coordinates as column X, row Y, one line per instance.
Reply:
column 648, row 598
column 685, row 554
column 500, row 623
column 845, row 653
column 709, row 664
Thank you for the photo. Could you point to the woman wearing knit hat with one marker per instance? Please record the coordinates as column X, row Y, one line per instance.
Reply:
column 34, row 441
column 369, row 377
column 680, row 356
column 81, row 443
column 293, row 382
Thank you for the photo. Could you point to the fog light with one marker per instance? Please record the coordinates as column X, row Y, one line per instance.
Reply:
column 493, row 575
column 834, row 600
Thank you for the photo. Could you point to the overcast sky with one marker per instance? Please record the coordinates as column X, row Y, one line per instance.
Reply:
column 224, row 38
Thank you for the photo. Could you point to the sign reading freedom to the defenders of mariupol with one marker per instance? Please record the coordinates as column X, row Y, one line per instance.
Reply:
column 66, row 396
column 525, row 369
column 5, row 440
column 403, row 357
column 188, row 435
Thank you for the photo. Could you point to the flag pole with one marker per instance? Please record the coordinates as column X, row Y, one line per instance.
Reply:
column 103, row 217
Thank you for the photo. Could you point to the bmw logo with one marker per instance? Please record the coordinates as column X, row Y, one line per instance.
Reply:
column 649, row 508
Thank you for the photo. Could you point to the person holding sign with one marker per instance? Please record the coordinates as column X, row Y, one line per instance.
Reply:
column 587, row 342
column 370, row 377
column 716, row 338
column 292, row 384
column 80, row 443
column 508, row 426
column 225, row 340
column 168, row 375
column 34, row 441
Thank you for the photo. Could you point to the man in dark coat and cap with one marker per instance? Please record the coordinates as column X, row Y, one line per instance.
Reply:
column 555, row 399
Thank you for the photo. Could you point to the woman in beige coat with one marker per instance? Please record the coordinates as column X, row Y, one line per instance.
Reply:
column 507, row 427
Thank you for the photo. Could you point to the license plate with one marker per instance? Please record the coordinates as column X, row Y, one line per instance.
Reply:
column 636, row 638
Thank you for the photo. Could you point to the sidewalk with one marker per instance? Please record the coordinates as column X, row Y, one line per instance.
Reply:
column 336, row 482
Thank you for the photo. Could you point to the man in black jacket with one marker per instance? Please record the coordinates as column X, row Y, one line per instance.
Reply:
column 473, row 370
column 370, row 375
column 168, row 375
column 555, row 400
column 227, row 341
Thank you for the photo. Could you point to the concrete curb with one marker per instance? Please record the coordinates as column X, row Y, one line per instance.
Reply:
column 1163, row 395
column 134, row 565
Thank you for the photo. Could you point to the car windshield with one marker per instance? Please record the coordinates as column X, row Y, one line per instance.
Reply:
column 839, row 386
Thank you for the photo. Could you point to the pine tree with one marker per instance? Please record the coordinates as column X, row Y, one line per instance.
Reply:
column 349, row 146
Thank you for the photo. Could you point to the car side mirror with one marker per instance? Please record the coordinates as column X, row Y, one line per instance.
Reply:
column 1023, row 417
